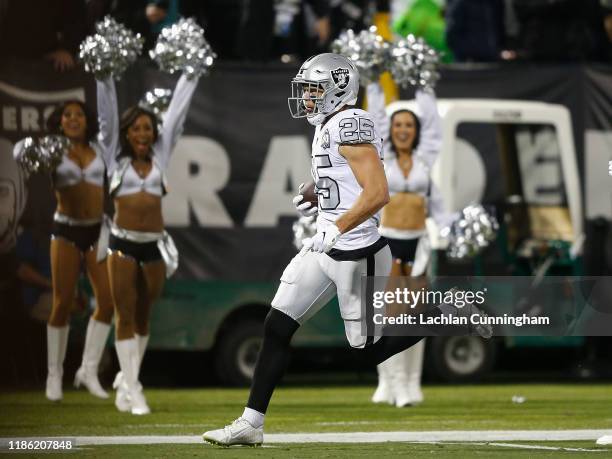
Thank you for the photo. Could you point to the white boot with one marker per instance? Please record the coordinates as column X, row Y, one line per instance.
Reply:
column 406, row 371
column 398, row 382
column 414, row 371
column 139, row 403
column 95, row 341
column 57, row 340
column 127, row 351
column 143, row 341
column 383, row 392
column 122, row 399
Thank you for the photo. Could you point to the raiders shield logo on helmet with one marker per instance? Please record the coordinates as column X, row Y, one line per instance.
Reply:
column 340, row 77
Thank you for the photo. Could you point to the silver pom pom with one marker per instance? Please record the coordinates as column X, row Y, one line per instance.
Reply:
column 182, row 47
column 414, row 63
column 29, row 156
column 43, row 155
column 110, row 50
column 303, row 228
column 156, row 100
column 470, row 233
column 53, row 149
column 368, row 51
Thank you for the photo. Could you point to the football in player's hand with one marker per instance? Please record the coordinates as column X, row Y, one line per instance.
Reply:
column 308, row 191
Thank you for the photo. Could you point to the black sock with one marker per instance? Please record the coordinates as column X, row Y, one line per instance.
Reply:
column 386, row 347
column 272, row 358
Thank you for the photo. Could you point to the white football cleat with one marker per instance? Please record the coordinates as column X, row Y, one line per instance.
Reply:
column 605, row 440
column 239, row 432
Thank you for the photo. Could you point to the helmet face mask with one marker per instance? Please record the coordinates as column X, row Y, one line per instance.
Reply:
column 324, row 84
column 303, row 92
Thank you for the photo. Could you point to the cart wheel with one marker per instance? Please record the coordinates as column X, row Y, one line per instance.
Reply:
column 236, row 353
column 461, row 358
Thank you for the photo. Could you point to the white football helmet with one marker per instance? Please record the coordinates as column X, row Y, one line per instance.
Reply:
column 329, row 80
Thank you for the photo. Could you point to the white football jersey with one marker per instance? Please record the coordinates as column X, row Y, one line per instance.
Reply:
column 335, row 183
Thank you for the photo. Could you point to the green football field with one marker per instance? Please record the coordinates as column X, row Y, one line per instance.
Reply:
column 186, row 414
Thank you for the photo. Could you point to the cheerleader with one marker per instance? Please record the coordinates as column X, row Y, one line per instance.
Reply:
column 141, row 253
column 79, row 189
column 412, row 144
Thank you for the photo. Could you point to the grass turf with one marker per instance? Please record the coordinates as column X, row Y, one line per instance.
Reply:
column 320, row 409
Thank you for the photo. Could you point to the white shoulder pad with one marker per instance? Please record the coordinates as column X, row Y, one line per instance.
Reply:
column 352, row 126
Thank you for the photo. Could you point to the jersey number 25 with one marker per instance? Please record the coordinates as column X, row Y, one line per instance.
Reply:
column 355, row 130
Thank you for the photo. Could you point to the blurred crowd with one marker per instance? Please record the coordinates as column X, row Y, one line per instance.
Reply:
column 263, row 30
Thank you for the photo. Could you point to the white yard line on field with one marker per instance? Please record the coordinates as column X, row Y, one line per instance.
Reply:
column 432, row 436
column 355, row 423
column 513, row 445
column 551, row 448
column 486, row 436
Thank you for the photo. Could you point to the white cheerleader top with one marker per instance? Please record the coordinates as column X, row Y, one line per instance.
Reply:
column 419, row 178
column 123, row 178
column 70, row 173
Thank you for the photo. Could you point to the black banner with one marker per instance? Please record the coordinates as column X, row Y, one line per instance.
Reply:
column 242, row 156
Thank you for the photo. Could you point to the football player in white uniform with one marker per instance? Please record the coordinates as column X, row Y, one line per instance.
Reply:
column 352, row 187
